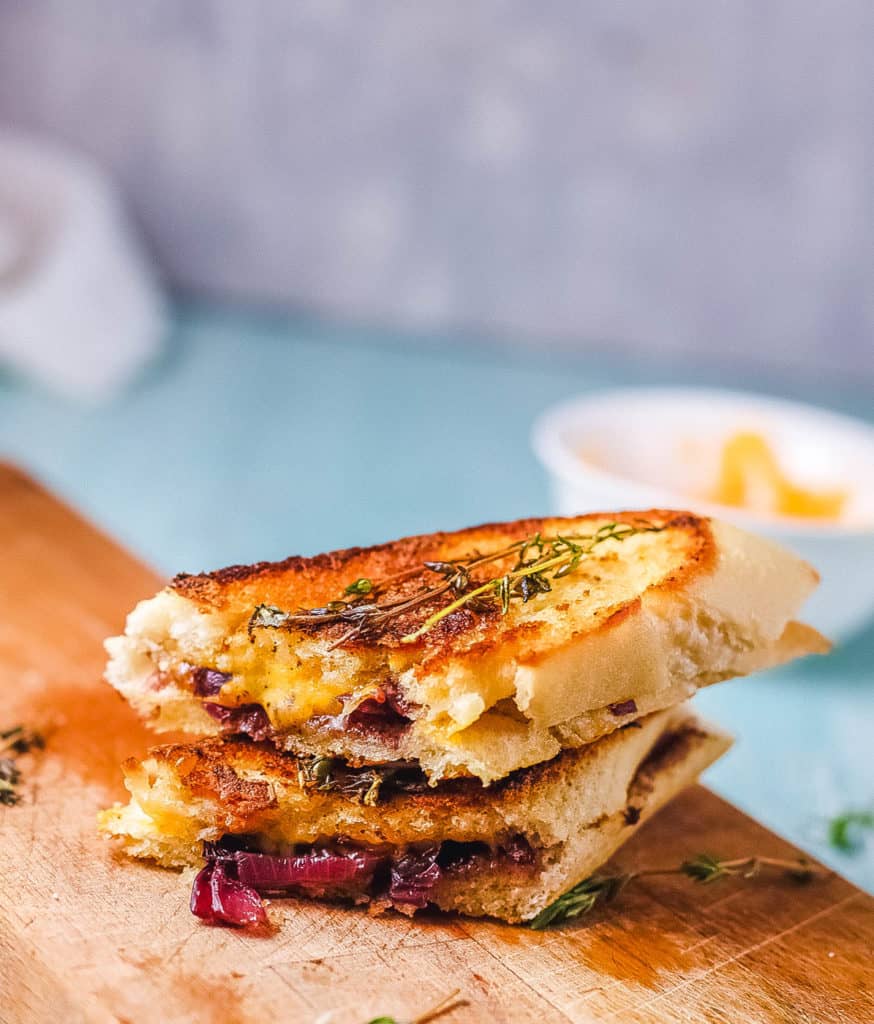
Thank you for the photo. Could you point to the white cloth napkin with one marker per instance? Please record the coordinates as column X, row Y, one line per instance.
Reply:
column 81, row 309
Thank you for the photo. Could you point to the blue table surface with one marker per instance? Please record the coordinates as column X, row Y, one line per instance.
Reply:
column 257, row 436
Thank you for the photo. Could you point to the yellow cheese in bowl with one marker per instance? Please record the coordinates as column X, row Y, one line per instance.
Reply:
column 750, row 477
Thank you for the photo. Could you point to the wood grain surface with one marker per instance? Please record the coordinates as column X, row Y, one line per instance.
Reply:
column 87, row 936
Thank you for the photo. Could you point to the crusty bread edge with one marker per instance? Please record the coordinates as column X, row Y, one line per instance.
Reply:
column 710, row 624
column 513, row 900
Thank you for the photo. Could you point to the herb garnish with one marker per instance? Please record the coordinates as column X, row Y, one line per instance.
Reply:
column 842, row 827
column 332, row 774
column 444, row 1006
column 13, row 743
column 703, row 868
column 362, row 586
column 367, row 606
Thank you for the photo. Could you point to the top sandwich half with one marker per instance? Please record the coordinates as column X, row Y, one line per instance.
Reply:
column 471, row 653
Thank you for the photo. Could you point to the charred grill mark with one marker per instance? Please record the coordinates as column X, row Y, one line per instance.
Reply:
column 299, row 582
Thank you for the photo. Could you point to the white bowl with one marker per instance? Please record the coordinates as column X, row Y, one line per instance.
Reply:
column 659, row 448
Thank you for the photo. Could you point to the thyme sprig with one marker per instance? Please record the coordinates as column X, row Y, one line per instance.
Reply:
column 842, row 829
column 703, row 868
column 327, row 774
column 368, row 606
column 13, row 743
column 446, row 1004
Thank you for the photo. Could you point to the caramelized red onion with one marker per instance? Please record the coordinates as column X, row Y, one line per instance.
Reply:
column 414, row 876
column 384, row 712
column 250, row 719
column 625, row 707
column 208, row 681
column 218, row 898
column 517, row 850
column 321, row 868
column 229, row 889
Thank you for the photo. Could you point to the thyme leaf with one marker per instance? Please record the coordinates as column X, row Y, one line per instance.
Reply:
column 502, row 588
column 328, row 774
column 10, row 777
column 446, row 1004
column 581, row 899
column 315, row 773
column 703, row 868
column 13, row 743
column 842, row 829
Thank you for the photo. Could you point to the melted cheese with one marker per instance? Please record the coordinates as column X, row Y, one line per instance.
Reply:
column 290, row 690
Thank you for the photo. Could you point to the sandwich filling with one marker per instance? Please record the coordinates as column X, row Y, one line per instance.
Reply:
column 228, row 889
column 384, row 717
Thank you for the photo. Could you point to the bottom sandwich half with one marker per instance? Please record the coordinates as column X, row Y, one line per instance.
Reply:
column 261, row 823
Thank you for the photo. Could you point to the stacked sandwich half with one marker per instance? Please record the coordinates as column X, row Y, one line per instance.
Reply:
column 472, row 720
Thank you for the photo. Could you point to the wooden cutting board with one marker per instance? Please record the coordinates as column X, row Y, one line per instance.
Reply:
column 88, row 936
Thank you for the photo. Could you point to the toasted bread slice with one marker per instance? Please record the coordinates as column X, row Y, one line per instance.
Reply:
column 514, row 896
column 639, row 623
column 568, row 815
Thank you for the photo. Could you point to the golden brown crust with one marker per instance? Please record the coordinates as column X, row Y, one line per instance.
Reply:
column 309, row 582
column 216, row 769
column 221, row 769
